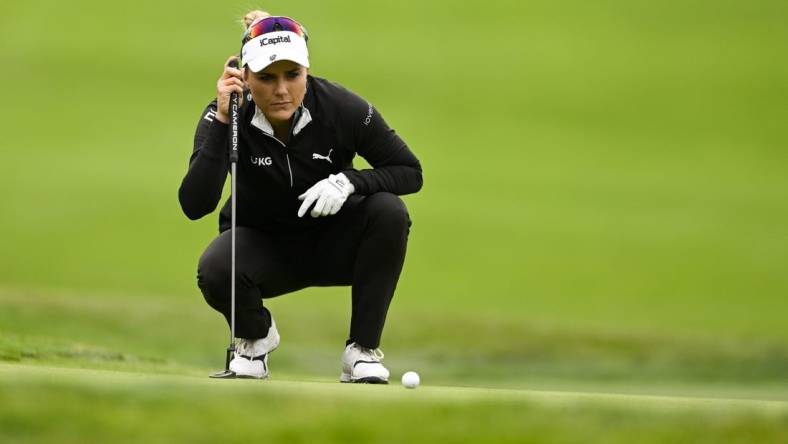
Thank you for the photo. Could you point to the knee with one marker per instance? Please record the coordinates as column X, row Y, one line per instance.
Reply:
column 389, row 209
column 213, row 272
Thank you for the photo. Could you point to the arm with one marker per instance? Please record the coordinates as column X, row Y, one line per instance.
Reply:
column 395, row 168
column 201, row 188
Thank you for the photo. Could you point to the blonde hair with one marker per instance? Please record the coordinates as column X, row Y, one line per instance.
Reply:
column 253, row 16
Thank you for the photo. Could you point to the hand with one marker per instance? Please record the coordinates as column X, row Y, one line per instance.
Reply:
column 329, row 193
column 230, row 82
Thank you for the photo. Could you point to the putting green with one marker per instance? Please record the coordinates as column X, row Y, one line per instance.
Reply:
column 392, row 392
column 95, row 405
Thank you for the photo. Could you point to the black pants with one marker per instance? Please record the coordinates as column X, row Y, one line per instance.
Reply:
column 363, row 245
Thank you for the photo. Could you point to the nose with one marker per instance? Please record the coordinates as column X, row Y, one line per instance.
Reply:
column 281, row 88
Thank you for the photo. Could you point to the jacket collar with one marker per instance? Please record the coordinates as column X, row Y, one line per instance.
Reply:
column 301, row 118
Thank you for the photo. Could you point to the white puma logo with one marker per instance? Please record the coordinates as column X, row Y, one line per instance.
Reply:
column 326, row 157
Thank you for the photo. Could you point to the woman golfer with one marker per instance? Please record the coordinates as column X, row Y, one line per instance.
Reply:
column 305, row 216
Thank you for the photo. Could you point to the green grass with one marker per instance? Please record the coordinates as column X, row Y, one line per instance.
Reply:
column 133, row 407
column 115, row 332
column 604, row 212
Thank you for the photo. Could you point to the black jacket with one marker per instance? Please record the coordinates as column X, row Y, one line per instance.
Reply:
column 271, row 175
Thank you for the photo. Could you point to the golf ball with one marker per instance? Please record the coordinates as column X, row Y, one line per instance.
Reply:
column 410, row 380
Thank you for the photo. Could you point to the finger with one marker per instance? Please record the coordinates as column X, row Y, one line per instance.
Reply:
column 308, row 201
column 232, row 73
column 336, row 204
column 329, row 209
column 233, row 62
column 230, row 59
column 335, row 208
column 330, row 202
column 306, row 193
column 232, row 81
column 302, row 209
column 225, row 101
column 227, row 90
column 317, row 211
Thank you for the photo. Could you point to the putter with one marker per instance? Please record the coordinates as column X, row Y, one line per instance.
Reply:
column 227, row 373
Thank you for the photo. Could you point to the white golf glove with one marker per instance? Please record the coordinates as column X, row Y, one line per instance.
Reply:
column 328, row 195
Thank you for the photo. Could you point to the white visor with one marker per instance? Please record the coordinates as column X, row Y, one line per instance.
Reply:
column 263, row 50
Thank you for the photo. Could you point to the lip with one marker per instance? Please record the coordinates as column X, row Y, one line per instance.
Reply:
column 279, row 104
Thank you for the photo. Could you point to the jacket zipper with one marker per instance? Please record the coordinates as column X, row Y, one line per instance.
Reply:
column 287, row 156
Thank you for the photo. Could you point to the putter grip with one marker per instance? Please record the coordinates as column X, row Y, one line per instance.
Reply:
column 233, row 119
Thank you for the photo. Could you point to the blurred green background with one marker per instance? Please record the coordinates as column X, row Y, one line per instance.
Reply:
column 605, row 206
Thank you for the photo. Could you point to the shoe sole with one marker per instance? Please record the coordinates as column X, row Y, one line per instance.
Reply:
column 251, row 377
column 228, row 374
column 365, row 380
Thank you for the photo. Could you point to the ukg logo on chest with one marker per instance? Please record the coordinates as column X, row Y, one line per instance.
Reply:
column 261, row 161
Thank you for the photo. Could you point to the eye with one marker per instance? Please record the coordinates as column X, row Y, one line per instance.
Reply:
column 265, row 77
column 293, row 74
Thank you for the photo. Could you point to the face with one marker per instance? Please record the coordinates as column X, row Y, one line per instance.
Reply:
column 278, row 89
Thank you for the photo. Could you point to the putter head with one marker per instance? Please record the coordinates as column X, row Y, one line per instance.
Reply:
column 224, row 374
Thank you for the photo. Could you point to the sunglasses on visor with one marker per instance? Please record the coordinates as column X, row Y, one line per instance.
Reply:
column 274, row 24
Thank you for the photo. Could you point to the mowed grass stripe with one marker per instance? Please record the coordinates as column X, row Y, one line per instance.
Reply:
column 30, row 375
column 104, row 333
column 122, row 407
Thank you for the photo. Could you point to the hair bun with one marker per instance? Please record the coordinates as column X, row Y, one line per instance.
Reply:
column 253, row 16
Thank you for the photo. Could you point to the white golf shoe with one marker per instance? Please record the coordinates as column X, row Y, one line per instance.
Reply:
column 251, row 355
column 363, row 365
